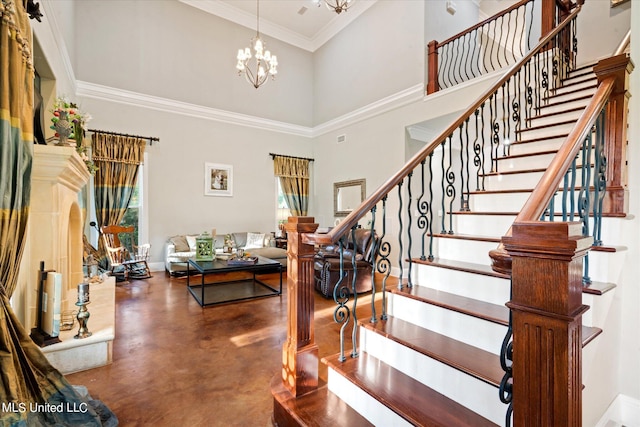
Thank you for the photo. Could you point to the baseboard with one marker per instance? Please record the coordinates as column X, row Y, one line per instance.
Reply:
column 156, row 266
column 623, row 411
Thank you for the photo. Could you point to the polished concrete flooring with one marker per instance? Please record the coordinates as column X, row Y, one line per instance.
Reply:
column 177, row 364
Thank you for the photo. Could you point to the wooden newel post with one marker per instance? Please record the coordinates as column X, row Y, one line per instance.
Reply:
column 432, row 61
column 620, row 67
column 547, row 311
column 300, row 352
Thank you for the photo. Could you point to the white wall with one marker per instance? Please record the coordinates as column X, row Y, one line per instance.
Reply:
column 172, row 50
column 379, row 54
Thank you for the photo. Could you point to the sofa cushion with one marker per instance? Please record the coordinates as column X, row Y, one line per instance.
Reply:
column 240, row 239
column 191, row 240
column 180, row 243
column 254, row 241
column 180, row 256
column 272, row 253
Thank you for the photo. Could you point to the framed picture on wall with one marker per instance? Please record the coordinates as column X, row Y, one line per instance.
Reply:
column 218, row 179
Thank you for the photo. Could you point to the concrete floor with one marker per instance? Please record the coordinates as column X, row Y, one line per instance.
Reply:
column 177, row 364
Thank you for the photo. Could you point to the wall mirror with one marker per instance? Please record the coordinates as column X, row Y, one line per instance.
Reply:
column 347, row 195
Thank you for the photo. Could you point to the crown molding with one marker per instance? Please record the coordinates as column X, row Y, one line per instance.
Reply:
column 311, row 44
column 399, row 99
column 135, row 99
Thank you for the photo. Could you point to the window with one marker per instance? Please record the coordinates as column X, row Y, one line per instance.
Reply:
column 282, row 210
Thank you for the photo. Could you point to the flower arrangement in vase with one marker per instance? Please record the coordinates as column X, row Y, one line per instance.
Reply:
column 69, row 123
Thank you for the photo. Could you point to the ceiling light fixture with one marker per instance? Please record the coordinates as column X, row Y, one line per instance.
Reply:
column 264, row 65
column 338, row 6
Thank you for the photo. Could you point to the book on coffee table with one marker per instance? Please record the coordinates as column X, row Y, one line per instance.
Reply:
column 243, row 261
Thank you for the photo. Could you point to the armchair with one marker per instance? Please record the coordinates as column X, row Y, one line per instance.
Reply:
column 327, row 263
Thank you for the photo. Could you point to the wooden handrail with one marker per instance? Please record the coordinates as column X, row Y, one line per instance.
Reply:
column 623, row 43
column 352, row 219
column 480, row 24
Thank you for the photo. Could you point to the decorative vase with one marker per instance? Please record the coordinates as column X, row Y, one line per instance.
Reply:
column 204, row 247
column 63, row 128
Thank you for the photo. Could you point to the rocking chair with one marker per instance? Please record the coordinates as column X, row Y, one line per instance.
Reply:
column 125, row 263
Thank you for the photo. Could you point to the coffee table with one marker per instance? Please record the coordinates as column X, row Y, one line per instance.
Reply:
column 224, row 291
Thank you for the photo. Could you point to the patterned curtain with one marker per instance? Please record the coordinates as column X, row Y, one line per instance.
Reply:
column 294, row 178
column 118, row 159
column 27, row 377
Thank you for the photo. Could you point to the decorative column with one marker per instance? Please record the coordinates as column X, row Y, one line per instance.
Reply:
column 546, row 307
column 432, row 60
column 300, row 352
column 620, row 67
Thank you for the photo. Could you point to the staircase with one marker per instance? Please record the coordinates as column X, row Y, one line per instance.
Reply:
column 435, row 360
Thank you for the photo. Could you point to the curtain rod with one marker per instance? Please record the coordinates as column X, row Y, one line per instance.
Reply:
column 150, row 138
column 273, row 156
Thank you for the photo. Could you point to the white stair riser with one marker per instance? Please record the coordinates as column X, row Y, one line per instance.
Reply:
column 523, row 163
column 471, row 330
column 560, row 117
column 570, row 90
column 491, row 289
column 480, row 225
column 559, row 129
column 606, row 267
column 552, row 108
column 367, row 406
column 464, row 250
column 513, row 202
column 535, row 147
column 474, row 394
column 512, row 181
column 599, row 309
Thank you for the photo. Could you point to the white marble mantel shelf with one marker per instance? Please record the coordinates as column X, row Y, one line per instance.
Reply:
column 73, row 355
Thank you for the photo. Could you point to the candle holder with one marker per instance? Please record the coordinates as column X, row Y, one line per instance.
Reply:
column 83, row 313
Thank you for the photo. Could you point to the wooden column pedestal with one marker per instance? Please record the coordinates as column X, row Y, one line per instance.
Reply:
column 300, row 352
column 547, row 310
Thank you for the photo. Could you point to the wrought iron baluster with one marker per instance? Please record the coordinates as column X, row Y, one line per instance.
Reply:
column 464, row 167
column 431, row 206
column 506, row 362
column 451, row 190
column 477, row 156
column 600, row 180
column 585, row 199
column 442, row 205
column 354, row 279
column 423, row 207
column 574, row 173
column 465, row 55
column 374, row 251
column 565, row 193
column 400, row 249
column 493, row 67
column 495, row 142
column 342, row 313
column 383, row 264
column 409, row 223
column 455, row 69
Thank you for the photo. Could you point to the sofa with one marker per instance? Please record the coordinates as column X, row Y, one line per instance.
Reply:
column 326, row 264
column 178, row 249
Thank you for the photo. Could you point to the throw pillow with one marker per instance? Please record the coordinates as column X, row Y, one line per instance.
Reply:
column 180, row 243
column 191, row 240
column 254, row 241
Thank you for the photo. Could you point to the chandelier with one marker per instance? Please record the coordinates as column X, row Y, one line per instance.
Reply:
column 264, row 64
column 337, row 6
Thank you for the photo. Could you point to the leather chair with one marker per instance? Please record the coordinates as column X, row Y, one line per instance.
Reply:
column 327, row 263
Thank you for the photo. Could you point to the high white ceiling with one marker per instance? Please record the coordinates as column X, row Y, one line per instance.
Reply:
column 298, row 22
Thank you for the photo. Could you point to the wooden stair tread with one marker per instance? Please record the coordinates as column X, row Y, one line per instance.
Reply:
column 319, row 408
column 569, row 92
column 483, row 310
column 534, row 128
column 412, row 400
column 598, row 288
column 557, row 103
column 466, row 358
column 589, row 333
column 468, row 267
